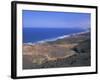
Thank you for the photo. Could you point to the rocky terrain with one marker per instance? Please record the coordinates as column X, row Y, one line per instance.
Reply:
column 72, row 51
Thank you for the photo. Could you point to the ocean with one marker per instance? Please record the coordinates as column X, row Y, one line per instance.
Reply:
column 33, row 35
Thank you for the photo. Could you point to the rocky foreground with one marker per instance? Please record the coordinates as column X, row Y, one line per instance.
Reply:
column 67, row 52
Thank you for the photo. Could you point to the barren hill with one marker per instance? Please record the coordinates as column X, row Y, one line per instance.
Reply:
column 67, row 52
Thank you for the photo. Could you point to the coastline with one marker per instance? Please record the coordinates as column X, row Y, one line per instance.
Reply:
column 56, row 38
column 69, row 51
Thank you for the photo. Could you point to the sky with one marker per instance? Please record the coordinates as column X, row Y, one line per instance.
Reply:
column 48, row 19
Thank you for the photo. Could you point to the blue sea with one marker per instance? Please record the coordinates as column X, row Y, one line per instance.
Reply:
column 32, row 35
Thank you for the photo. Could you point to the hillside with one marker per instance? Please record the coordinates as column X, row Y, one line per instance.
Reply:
column 67, row 52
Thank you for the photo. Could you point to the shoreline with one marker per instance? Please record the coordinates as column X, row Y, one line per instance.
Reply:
column 71, row 52
column 54, row 39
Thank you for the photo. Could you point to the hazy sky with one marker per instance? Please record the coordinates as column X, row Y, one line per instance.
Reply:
column 44, row 19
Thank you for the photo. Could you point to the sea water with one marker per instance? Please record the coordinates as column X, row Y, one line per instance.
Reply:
column 33, row 35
